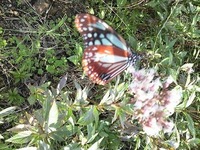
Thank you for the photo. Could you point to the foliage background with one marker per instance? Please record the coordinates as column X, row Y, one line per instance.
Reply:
column 47, row 103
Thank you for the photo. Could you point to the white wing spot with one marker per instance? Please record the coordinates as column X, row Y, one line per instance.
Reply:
column 90, row 54
column 90, row 43
column 101, row 36
column 95, row 34
column 84, row 28
column 90, row 28
column 94, row 48
column 97, row 42
column 82, row 20
column 89, row 35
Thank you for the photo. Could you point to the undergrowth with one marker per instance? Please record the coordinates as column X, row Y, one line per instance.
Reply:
column 48, row 103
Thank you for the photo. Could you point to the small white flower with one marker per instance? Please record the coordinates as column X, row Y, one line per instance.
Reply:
column 168, row 127
column 174, row 98
column 152, row 128
column 168, row 82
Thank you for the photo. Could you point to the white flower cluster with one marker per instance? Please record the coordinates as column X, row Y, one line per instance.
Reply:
column 153, row 101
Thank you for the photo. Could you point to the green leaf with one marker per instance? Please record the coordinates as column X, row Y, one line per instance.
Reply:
column 7, row 111
column 53, row 117
column 194, row 141
column 121, row 3
column 40, row 71
column 133, row 42
column 21, row 137
column 190, row 99
column 96, row 145
column 78, row 55
column 79, row 50
column 74, row 59
column 91, row 133
column 43, row 146
column 121, row 114
column 108, row 98
column 61, row 84
column 51, row 69
column 22, row 127
column 190, row 124
column 64, row 132
column 96, row 116
column 57, row 136
column 47, row 104
column 5, row 146
column 88, row 117
column 171, row 44
column 173, row 73
column 81, row 95
column 72, row 146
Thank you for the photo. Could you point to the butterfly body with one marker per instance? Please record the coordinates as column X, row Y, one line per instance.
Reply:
column 106, row 53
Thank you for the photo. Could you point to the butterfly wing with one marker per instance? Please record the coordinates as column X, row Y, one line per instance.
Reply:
column 102, row 63
column 96, row 32
column 106, row 53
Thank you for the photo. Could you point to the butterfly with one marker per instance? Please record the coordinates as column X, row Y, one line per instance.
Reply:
column 106, row 53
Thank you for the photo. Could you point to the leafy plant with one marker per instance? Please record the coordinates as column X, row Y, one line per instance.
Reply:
column 76, row 116
column 58, row 121
column 76, row 58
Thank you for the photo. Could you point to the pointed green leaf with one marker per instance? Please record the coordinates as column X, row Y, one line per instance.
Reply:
column 53, row 116
column 87, row 118
column 7, row 111
column 61, row 84
column 190, row 124
column 21, row 137
column 96, row 145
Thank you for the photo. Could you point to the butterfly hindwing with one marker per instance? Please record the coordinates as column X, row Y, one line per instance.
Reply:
column 100, row 65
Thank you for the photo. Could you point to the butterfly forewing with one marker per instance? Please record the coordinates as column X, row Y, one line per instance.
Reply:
column 96, row 32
